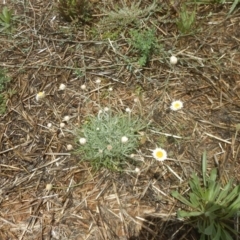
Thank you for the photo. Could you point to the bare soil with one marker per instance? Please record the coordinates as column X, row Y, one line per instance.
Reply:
column 44, row 51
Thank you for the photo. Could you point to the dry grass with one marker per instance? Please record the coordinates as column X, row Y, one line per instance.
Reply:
column 44, row 52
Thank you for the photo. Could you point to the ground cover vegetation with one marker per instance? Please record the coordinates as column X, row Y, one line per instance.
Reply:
column 119, row 119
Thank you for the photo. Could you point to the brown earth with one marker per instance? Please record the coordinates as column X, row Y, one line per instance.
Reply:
column 43, row 51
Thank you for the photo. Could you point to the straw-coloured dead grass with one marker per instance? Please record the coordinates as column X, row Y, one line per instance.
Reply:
column 44, row 52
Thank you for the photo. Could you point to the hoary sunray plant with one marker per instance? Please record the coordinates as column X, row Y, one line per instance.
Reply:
column 107, row 140
column 124, row 16
column 211, row 207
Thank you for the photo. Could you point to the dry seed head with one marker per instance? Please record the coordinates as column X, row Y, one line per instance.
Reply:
column 69, row 147
column 124, row 139
column 98, row 81
column 62, row 86
column 128, row 110
column 83, row 87
column 109, row 147
column 66, row 118
column 82, row 141
column 137, row 170
column 49, row 187
column 173, row 60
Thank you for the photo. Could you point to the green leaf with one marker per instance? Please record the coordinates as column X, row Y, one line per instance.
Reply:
column 194, row 200
column 204, row 167
column 210, row 229
column 235, row 3
column 201, row 225
column 233, row 208
column 183, row 214
column 213, row 208
column 196, row 186
column 224, row 193
column 213, row 192
column 182, row 199
column 202, row 237
column 213, row 175
column 218, row 233
column 7, row 15
column 233, row 194
column 225, row 235
column 236, row 203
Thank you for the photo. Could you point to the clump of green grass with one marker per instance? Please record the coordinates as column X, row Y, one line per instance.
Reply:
column 144, row 43
column 6, row 20
column 211, row 206
column 186, row 20
column 4, row 79
column 74, row 10
column 107, row 140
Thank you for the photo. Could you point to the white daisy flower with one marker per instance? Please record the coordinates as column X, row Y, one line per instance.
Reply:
column 40, row 96
column 176, row 105
column 159, row 154
column 62, row 125
column 49, row 125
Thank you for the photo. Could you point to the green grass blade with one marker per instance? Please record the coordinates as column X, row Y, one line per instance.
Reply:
column 210, row 229
column 183, row 214
column 224, row 192
column 182, row 199
column 230, row 197
column 204, row 166
column 218, row 233
column 235, row 3
column 213, row 208
column 194, row 200
column 225, row 235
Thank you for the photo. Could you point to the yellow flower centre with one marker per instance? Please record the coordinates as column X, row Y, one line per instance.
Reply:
column 177, row 105
column 159, row 154
column 41, row 94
